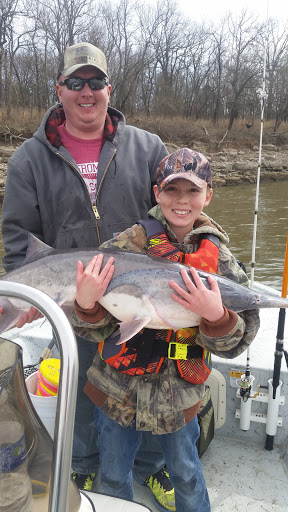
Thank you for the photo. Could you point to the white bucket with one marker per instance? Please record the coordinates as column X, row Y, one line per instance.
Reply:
column 45, row 406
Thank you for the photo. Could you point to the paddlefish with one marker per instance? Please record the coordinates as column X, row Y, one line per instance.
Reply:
column 138, row 295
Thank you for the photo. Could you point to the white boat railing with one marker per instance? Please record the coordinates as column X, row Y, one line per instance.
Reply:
column 64, row 422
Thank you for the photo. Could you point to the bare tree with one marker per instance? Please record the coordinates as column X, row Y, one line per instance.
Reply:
column 123, row 52
column 62, row 22
column 276, row 37
column 243, row 64
column 8, row 13
column 168, row 44
column 197, row 72
column 159, row 62
column 220, row 50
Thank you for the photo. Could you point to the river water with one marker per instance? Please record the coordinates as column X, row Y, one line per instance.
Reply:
column 233, row 208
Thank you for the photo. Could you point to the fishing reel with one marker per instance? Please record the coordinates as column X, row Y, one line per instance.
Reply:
column 245, row 383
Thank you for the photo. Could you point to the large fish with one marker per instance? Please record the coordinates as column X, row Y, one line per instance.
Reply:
column 138, row 295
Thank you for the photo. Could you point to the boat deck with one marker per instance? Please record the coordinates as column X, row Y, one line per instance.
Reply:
column 240, row 477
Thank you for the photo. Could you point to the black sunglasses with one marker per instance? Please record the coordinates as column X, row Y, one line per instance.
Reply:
column 76, row 84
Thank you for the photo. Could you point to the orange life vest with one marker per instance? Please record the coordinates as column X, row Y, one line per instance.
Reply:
column 147, row 351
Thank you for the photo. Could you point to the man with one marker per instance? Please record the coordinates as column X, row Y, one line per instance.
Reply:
column 83, row 177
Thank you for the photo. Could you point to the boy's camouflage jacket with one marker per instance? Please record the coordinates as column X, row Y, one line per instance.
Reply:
column 164, row 402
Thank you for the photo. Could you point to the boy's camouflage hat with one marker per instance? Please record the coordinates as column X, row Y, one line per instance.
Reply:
column 184, row 163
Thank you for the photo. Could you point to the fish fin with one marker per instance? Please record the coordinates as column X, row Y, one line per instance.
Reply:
column 10, row 316
column 36, row 249
column 129, row 329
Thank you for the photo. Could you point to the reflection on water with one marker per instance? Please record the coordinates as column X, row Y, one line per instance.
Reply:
column 233, row 208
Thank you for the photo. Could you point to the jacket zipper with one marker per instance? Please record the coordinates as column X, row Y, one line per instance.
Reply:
column 73, row 167
column 94, row 207
column 100, row 185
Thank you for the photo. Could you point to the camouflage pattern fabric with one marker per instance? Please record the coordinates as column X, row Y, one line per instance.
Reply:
column 184, row 163
column 160, row 400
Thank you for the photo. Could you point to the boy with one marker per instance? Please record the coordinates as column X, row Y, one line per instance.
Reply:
column 138, row 385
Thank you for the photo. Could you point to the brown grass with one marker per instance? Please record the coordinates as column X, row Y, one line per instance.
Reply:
column 20, row 122
column 187, row 132
column 173, row 130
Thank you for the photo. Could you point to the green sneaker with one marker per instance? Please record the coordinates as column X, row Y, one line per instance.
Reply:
column 162, row 489
column 83, row 481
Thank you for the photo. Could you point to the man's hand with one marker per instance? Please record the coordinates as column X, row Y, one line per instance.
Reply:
column 26, row 318
column 199, row 299
column 30, row 316
column 92, row 282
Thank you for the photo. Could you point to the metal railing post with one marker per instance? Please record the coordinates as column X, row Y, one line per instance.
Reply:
column 64, row 422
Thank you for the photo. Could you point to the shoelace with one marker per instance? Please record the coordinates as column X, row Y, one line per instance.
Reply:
column 162, row 477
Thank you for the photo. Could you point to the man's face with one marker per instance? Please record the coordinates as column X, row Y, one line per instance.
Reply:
column 85, row 110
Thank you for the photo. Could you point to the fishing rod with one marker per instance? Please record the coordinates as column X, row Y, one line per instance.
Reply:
column 276, row 383
column 246, row 379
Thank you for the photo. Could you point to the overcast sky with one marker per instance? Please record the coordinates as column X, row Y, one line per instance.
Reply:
column 215, row 9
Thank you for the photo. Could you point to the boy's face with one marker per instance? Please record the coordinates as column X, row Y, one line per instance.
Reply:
column 181, row 203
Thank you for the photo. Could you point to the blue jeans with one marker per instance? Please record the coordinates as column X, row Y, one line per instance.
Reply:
column 119, row 445
column 85, row 456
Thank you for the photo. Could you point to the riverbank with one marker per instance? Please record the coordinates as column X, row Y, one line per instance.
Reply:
column 230, row 167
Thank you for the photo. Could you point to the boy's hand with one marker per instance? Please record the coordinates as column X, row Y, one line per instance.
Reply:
column 92, row 282
column 200, row 300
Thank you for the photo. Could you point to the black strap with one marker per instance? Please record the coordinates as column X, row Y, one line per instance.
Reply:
column 147, row 347
column 161, row 349
column 154, row 227
column 212, row 238
column 144, row 343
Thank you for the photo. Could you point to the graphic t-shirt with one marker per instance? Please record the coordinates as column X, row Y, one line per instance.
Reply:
column 86, row 155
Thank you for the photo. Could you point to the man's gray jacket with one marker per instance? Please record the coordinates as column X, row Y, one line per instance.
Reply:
column 46, row 195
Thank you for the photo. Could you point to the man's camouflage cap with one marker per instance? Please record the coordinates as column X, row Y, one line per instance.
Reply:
column 79, row 55
column 184, row 163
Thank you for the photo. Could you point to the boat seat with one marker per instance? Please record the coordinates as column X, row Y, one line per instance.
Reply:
column 217, row 385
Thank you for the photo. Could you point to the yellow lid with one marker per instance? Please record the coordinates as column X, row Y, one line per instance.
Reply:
column 50, row 369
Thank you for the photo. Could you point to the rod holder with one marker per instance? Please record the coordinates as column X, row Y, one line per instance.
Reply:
column 245, row 414
column 245, row 385
column 273, row 408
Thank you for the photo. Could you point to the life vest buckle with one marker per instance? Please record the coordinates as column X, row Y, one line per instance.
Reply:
column 177, row 350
